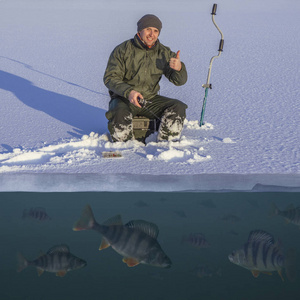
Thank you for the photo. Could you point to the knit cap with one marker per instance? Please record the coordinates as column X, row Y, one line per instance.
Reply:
column 149, row 21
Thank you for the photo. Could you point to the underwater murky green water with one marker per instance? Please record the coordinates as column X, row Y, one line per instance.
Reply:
column 200, row 265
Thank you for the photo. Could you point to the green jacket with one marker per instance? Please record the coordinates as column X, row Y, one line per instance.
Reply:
column 133, row 66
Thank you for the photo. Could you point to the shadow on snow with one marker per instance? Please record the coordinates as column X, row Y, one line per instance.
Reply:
column 83, row 117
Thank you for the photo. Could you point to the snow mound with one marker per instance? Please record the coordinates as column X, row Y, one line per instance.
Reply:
column 88, row 149
column 195, row 125
column 228, row 141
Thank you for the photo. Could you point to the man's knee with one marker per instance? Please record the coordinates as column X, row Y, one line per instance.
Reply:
column 119, row 121
column 179, row 108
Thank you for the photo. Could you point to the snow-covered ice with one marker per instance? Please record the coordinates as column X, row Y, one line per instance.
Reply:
column 52, row 124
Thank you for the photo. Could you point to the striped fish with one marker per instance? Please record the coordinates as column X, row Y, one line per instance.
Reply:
column 230, row 218
column 291, row 214
column 197, row 240
column 37, row 213
column 136, row 241
column 259, row 254
column 57, row 260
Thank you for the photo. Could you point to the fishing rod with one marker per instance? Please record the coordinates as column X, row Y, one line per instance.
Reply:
column 142, row 102
column 208, row 85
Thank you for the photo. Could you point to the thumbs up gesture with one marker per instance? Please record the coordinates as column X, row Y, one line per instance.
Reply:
column 175, row 62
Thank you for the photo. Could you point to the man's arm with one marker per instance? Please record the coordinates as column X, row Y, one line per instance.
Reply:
column 176, row 71
column 114, row 74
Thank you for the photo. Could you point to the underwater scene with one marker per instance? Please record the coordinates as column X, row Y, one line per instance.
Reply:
column 147, row 245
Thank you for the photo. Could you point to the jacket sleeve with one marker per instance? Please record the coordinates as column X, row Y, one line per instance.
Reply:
column 176, row 77
column 114, row 74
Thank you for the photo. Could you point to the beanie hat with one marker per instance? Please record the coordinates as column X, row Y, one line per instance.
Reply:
column 149, row 21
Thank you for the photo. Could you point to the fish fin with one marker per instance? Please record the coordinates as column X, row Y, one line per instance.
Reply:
column 61, row 273
column 40, row 271
column 280, row 274
column 86, row 220
column 287, row 221
column 104, row 244
column 22, row 262
column 59, row 248
column 291, row 264
column 115, row 220
column 255, row 273
column 150, row 229
column 131, row 262
column 268, row 273
column 260, row 235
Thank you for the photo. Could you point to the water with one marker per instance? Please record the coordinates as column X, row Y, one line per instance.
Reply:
column 224, row 218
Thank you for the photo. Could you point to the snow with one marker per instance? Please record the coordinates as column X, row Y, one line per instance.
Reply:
column 52, row 124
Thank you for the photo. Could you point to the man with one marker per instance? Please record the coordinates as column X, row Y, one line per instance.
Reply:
column 132, row 76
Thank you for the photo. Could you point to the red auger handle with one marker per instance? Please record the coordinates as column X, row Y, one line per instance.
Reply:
column 214, row 9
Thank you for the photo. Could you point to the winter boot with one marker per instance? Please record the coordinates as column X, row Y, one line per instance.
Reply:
column 171, row 126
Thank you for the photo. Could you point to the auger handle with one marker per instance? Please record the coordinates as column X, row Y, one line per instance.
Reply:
column 213, row 13
column 214, row 9
column 221, row 45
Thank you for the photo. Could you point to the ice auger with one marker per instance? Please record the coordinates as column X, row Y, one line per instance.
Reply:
column 207, row 85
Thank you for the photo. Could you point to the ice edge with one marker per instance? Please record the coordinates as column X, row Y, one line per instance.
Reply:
column 16, row 182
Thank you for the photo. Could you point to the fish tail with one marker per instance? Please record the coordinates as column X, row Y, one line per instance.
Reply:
column 290, row 265
column 22, row 262
column 274, row 210
column 25, row 213
column 86, row 221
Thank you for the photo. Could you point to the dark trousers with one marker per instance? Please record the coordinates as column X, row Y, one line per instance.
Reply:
column 171, row 112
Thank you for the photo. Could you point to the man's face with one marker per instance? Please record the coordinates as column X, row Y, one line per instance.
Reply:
column 149, row 35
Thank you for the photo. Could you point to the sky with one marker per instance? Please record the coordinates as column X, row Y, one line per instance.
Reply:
column 52, row 59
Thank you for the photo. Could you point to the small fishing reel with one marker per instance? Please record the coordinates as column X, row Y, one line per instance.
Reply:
column 142, row 102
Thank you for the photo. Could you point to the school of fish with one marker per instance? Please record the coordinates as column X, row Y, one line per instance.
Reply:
column 136, row 241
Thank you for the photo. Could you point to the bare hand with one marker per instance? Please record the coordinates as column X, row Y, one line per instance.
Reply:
column 133, row 97
column 175, row 63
